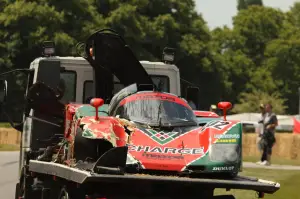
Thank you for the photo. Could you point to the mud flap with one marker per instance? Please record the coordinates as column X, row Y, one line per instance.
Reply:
column 17, row 191
column 112, row 162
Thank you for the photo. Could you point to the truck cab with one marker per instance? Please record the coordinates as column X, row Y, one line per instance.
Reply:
column 78, row 76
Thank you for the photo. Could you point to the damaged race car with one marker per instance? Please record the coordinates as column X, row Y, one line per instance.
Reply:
column 161, row 132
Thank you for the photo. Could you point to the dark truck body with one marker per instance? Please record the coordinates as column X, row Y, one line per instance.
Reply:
column 109, row 185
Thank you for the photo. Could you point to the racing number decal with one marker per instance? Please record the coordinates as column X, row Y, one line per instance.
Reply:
column 219, row 125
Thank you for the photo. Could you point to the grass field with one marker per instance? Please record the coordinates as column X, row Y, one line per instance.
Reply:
column 289, row 182
column 4, row 125
column 9, row 147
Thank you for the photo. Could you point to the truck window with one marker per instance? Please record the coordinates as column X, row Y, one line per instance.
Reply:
column 88, row 91
column 163, row 81
column 69, row 78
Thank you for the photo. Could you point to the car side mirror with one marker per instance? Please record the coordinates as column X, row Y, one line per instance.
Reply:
column 224, row 106
column 3, row 91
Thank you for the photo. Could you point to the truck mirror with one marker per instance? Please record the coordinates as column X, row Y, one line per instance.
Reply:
column 3, row 91
column 192, row 96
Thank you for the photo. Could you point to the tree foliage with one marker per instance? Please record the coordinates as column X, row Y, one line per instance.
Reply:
column 249, row 102
column 257, row 58
column 244, row 4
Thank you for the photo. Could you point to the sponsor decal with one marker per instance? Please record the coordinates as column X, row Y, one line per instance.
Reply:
column 223, row 168
column 163, row 157
column 227, row 136
column 218, row 125
column 227, row 141
column 167, row 150
column 161, row 137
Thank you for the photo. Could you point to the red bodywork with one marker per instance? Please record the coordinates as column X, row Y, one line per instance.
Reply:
column 206, row 114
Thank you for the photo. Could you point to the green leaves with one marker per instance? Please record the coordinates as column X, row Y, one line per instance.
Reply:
column 258, row 58
column 249, row 102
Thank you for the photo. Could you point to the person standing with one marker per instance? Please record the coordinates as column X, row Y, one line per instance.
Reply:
column 268, row 137
column 259, row 129
column 192, row 105
column 213, row 108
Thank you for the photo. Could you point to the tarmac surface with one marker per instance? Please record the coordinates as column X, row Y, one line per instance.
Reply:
column 9, row 172
column 9, row 163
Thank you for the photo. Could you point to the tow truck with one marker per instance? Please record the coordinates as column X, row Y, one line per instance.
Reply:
column 42, row 130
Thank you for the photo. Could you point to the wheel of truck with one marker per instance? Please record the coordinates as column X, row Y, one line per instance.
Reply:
column 64, row 194
column 17, row 191
column 71, row 194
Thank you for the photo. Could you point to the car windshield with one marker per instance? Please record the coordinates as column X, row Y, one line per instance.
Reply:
column 157, row 111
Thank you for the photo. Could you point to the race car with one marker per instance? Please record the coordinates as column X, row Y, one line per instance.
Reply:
column 160, row 130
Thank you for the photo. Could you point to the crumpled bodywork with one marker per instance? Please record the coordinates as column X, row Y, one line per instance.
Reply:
column 107, row 128
column 83, row 116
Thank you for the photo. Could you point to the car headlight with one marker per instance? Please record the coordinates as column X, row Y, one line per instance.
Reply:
column 224, row 152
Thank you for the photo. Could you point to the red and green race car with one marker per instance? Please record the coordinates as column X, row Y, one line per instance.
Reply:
column 161, row 131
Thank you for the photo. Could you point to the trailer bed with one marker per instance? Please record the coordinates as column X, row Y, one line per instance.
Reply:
column 83, row 177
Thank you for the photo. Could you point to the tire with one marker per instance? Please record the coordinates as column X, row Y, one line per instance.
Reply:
column 71, row 194
column 17, row 191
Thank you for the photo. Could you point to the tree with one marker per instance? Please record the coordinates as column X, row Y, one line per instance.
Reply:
column 234, row 66
column 258, row 25
column 254, row 2
column 283, row 59
column 249, row 102
column 23, row 27
column 147, row 26
column 244, row 4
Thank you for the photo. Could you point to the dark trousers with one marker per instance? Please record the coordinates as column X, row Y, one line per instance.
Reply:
column 267, row 141
column 266, row 151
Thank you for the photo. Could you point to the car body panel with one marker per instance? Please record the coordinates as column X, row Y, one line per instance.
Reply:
column 206, row 114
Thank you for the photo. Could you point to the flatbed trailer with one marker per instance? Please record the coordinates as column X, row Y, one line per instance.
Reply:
column 89, row 184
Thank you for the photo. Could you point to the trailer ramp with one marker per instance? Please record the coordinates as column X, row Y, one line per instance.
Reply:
column 134, row 181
